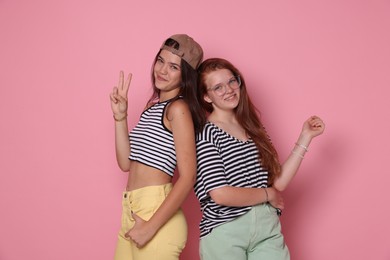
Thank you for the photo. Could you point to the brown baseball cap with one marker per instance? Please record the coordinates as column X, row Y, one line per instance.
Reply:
column 189, row 50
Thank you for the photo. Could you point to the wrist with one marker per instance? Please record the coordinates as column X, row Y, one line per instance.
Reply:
column 300, row 148
column 119, row 117
column 305, row 138
column 266, row 195
column 153, row 226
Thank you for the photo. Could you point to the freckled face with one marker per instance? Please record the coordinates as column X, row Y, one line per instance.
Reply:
column 227, row 101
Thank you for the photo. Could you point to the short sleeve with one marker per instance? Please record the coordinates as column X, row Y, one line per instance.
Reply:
column 211, row 169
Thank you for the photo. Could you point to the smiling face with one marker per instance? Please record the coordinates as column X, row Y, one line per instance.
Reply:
column 167, row 74
column 221, row 78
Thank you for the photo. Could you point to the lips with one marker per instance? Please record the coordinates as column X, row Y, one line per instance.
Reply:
column 159, row 78
column 231, row 97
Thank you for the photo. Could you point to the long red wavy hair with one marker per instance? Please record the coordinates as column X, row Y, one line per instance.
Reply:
column 246, row 113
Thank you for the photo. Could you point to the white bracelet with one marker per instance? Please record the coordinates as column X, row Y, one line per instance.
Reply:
column 300, row 155
column 302, row 146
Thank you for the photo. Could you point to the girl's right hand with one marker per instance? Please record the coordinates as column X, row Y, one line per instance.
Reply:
column 275, row 198
column 118, row 96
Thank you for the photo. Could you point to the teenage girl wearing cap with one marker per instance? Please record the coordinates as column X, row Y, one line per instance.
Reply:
column 153, row 225
column 239, row 176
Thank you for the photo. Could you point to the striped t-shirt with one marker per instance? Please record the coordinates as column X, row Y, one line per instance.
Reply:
column 224, row 160
column 151, row 142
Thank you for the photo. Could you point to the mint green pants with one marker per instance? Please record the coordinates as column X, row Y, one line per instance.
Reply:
column 253, row 236
column 169, row 241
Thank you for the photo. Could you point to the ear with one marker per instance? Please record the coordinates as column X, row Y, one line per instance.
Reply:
column 207, row 99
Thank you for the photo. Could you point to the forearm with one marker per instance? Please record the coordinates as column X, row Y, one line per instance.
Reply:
column 291, row 165
column 122, row 145
column 239, row 197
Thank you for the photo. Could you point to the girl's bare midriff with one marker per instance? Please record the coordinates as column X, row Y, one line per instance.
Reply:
column 141, row 175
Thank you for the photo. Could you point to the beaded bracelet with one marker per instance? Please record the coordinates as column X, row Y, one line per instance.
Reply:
column 300, row 155
column 302, row 146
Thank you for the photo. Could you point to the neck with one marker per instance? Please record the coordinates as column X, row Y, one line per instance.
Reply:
column 164, row 96
column 223, row 117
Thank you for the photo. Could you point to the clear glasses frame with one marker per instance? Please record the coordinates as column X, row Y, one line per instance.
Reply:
column 220, row 89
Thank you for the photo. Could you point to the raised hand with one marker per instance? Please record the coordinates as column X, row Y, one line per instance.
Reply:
column 118, row 96
column 313, row 126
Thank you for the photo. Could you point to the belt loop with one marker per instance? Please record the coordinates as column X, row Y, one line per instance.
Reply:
column 167, row 188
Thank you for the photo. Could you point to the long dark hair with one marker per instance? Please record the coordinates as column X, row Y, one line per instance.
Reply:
column 188, row 88
column 246, row 113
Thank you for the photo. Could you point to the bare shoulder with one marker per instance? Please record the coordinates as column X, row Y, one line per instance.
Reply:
column 177, row 108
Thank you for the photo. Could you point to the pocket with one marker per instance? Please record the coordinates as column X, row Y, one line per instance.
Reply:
column 271, row 209
column 146, row 207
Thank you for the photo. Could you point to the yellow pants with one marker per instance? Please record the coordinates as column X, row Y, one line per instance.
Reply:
column 168, row 242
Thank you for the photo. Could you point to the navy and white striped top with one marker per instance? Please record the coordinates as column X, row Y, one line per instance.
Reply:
column 224, row 160
column 151, row 142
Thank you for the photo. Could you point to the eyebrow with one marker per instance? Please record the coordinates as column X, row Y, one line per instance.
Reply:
column 232, row 77
column 171, row 63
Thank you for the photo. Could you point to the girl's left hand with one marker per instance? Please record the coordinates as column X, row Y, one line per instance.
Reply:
column 313, row 126
column 140, row 234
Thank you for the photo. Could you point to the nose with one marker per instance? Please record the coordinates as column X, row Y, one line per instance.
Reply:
column 228, row 88
column 163, row 69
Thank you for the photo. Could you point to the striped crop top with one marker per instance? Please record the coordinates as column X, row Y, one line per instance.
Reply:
column 151, row 142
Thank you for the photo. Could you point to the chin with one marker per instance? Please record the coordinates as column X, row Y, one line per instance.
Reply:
column 159, row 85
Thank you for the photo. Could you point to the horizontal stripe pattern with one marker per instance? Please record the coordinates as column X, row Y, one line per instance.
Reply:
column 151, row 142
column 223, row 160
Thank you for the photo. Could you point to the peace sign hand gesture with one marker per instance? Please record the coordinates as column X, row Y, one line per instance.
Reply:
column 118, row 97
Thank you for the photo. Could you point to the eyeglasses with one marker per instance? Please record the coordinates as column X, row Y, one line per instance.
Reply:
column 220, row 89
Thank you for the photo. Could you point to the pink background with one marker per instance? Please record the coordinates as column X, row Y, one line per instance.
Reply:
column 60, row 187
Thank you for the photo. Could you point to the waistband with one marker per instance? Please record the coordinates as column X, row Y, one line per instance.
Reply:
column 269, row 206
column 157, row 190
